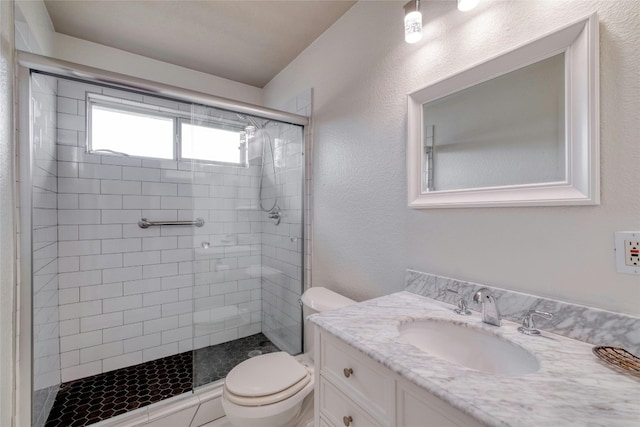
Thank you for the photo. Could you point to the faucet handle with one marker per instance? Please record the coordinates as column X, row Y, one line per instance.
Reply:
column 462, row 309
column 528, row 327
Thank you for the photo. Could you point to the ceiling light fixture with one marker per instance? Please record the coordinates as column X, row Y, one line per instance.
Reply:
column 412, row 22
column 466, row 5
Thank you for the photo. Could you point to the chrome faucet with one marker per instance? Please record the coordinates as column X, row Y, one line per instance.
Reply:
column 490, row 312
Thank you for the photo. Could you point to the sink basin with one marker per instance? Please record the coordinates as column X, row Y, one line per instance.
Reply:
column 468, row 346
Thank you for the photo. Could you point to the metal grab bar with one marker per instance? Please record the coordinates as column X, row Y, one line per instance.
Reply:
column 145, row 223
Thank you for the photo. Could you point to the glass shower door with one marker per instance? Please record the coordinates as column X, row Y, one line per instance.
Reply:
column 283, row 237
column 251, row 248
column 161, row 258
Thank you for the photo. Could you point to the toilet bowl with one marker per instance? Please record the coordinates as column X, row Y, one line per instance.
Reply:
column 276, row 389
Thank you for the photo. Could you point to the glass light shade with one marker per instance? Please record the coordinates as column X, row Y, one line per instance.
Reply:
column 413, row 27
column 465, row 5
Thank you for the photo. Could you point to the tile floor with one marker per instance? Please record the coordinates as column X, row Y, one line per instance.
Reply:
column 89, row 400
column 214, row 362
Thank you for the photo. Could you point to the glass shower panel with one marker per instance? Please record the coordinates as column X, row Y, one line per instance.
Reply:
column 112, row 299
column 242, row 255
column 226, row 292
column 282, row 234
column 44, row 232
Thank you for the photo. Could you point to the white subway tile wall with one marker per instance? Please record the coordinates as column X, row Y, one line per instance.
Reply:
column 46, row 328
column 129, row 295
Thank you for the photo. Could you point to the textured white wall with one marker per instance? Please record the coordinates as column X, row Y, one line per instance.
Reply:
column 365, row 236
column 34, row 30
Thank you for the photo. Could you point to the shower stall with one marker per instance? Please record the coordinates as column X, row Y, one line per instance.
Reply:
column 162, row 240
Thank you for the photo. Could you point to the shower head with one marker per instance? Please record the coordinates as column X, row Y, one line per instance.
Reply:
column 253, row 121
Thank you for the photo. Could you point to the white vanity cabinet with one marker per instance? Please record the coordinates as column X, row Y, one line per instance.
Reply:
column 353, row 390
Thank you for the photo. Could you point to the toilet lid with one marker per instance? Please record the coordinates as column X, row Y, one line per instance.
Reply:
column 265, row 375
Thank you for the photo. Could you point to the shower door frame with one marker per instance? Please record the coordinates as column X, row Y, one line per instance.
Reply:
column 24, row 359
column 28, row 62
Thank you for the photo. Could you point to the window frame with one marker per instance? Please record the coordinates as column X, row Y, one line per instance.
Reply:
column 178, row 117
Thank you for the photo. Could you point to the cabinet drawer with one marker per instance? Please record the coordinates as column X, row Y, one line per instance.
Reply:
column 363, row 380
column 419, row 408
column 341, row 411
column 323, row 423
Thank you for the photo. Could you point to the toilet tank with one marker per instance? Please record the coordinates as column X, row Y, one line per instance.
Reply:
column 317, row 300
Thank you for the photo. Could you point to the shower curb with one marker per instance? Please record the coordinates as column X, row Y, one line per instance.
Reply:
column 195, row 409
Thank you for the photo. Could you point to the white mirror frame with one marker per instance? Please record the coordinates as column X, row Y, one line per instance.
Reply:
column 579, row 42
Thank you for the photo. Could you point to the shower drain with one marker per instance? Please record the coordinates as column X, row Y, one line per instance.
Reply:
column 254, row 353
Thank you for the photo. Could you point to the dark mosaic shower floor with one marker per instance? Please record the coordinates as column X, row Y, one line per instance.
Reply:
column 214, row 362
column 89, row 400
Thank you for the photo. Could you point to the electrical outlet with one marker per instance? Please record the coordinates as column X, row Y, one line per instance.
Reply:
column 632, row 253
column 627, row 244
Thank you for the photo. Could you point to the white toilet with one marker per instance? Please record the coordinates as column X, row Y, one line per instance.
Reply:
column 275, row 389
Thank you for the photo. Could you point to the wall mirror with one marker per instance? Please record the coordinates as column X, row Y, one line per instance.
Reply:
column 521, row 129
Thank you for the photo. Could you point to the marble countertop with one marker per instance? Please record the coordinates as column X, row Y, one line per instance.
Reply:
column 571, row 388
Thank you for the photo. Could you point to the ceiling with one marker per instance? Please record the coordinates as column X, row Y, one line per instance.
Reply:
column 241, row 40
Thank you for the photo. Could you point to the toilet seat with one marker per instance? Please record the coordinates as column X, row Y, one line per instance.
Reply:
column 268, row 399
column 266, row 379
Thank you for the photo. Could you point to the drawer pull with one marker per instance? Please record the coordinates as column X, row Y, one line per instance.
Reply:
column 347, row 373
column 347, row 420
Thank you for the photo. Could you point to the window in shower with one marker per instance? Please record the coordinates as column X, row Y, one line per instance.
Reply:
column 120, row 126
column 210, row 142
column 132, row 130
